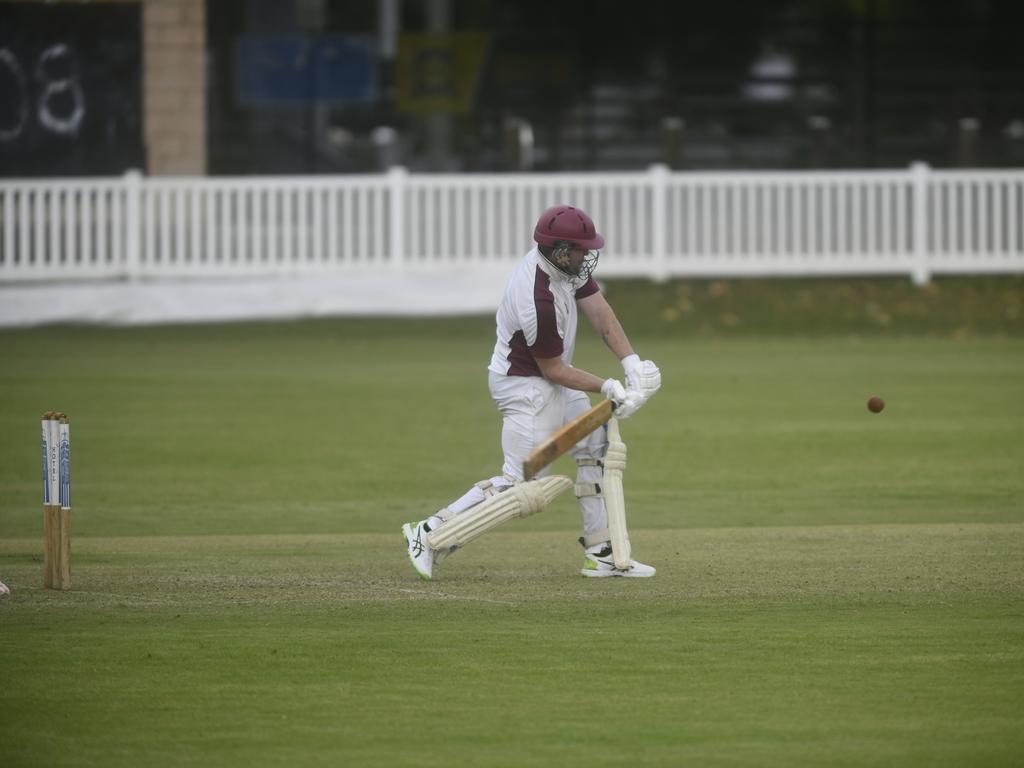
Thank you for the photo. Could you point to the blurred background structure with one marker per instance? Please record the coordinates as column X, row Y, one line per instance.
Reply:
column 339, row 86
column 602, row 85
column 267, row 136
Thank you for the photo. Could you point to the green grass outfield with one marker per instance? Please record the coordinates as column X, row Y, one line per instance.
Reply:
column 834, row 587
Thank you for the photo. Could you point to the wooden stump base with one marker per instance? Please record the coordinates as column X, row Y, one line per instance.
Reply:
column 56, row 547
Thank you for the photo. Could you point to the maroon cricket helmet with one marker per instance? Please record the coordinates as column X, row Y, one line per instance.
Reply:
column 567, row 224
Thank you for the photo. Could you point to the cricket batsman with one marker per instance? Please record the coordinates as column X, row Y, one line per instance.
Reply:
column 537, row 390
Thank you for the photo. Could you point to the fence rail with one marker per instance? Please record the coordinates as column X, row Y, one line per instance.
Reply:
column 657, row 223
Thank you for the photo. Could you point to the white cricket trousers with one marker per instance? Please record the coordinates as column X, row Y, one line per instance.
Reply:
column 532, row 408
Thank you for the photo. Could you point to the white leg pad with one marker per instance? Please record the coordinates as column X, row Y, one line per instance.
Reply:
column 614, row 500
column 520, row 500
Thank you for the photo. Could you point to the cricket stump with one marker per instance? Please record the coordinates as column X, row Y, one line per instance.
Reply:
column 56, row 455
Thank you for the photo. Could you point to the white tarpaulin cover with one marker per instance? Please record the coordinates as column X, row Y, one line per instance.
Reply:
column 472, row 290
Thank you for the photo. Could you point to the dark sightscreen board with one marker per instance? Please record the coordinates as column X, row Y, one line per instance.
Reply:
column 70, row 89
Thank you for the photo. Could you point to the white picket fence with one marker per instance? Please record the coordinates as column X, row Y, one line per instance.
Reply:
column 657, row 223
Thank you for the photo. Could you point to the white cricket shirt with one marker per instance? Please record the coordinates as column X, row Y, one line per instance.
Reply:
column 537, row 317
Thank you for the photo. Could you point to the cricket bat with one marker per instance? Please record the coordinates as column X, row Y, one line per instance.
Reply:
column 565, row 438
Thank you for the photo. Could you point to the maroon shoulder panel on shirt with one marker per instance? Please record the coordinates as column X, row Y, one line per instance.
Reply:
column 548, row 344
column 589, row 288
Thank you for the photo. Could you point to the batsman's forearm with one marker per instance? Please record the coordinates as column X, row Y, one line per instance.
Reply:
column 614, row 336
column 573, row 378
column 605, row 322
column 618, row 343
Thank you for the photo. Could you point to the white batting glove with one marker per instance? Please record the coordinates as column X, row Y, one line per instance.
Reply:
column 642, row 375
column 630, row 404
column 627, row 401
column 613, row 390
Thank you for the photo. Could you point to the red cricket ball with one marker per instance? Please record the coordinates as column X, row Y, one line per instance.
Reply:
column 876, row 404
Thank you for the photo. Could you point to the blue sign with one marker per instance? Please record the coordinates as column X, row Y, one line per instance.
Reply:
column 338, row 70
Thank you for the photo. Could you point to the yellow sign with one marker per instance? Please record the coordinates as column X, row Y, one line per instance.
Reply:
column 439, row 72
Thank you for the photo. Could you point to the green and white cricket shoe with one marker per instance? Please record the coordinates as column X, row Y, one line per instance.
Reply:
column 420, row 554
column 599, row 565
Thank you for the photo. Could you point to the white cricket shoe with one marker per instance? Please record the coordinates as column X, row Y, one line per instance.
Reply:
column 420, row 554
column 599, row 565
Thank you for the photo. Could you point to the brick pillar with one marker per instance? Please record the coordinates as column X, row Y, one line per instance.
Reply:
column 174, row 85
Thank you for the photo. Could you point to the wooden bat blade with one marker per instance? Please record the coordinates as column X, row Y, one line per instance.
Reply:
column 565, row 438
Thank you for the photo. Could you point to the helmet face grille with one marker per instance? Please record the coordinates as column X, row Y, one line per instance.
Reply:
column 589, row 265
column 561, row 257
